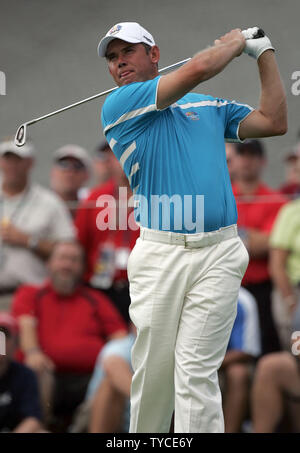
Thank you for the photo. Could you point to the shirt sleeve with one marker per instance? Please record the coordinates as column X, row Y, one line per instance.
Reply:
column 271, row 212
column 284, row 230
column 23, row 301
column 129, row 110
column 235, row 114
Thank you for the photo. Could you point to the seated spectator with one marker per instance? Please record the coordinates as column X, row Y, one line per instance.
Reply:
column 70, row 172
column 276, row 387
column 106, row 408
column 114, row 367
column 239, row 361
column 291, row 185
column 20, row 409
column 285, row 267
column 108, row 245
column 63, row 326
column 257, row 206
column 32, row 218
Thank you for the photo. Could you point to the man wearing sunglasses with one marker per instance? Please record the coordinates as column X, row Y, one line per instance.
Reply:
column 70, row 173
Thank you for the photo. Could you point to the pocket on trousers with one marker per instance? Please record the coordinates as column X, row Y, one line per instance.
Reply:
column 131, row 261
column 244, row 258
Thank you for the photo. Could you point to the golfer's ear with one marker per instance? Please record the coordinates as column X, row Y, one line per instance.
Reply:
column 155, row 54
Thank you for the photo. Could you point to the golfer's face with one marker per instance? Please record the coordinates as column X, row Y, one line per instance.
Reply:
column 129, row 63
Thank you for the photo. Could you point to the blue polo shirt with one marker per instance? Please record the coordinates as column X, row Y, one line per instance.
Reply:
column 174, row 158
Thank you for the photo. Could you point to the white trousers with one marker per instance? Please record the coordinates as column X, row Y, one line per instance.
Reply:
column 183, row 303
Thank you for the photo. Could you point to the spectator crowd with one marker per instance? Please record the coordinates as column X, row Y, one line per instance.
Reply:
column 64, row 294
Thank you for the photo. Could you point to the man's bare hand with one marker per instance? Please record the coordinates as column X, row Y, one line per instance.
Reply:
column 12, row 235
column 39, row 362
column 233, row 35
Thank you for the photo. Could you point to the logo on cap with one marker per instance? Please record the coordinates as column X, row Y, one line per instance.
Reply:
column 115, row 29
column 148, row 39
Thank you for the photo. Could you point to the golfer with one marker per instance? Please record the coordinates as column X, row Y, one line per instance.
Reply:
column 186, row 268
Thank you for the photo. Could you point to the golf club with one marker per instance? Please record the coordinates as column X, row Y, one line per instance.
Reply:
column 20, row 138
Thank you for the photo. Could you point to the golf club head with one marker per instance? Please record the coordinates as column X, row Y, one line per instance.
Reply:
column 20, row 138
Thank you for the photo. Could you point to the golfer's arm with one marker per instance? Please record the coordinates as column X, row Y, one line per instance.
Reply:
column 271, row 116
column 201, row 67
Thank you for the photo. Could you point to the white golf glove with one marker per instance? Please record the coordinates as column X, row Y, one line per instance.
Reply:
column 255, row 47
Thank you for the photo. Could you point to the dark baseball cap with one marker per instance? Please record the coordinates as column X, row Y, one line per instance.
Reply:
column 254, row 147
column 102, row 150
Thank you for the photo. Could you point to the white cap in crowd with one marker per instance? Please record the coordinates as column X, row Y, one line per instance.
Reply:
column 74, row 151
column 24, row 151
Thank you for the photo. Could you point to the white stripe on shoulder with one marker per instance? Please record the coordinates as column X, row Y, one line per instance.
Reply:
column 112, row 143
column 133, row 114
column 242, row 105
column 214, row 103
column 134, row 169
column 128, row 151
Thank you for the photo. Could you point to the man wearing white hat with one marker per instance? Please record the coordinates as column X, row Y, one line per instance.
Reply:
column 186, row 267
column 71, row 170
column 31, row 219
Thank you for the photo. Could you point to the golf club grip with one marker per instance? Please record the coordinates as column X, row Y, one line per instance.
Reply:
column 259, row 34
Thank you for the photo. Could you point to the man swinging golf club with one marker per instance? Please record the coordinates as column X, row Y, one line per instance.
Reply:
column 184, row 276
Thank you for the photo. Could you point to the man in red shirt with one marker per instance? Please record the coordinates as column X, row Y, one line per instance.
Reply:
column 63, row 326
column 291, row 186
column 107, row 230
column 257, row 206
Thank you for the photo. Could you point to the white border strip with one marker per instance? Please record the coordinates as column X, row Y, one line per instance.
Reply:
column 128, row 151
column 134, row 169
column 112, row 143
column 129, row 115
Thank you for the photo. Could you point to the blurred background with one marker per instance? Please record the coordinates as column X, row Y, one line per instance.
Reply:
column 48, row 52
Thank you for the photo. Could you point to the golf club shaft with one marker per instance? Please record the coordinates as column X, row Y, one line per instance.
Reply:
column 98, row 95
column 20, row 138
